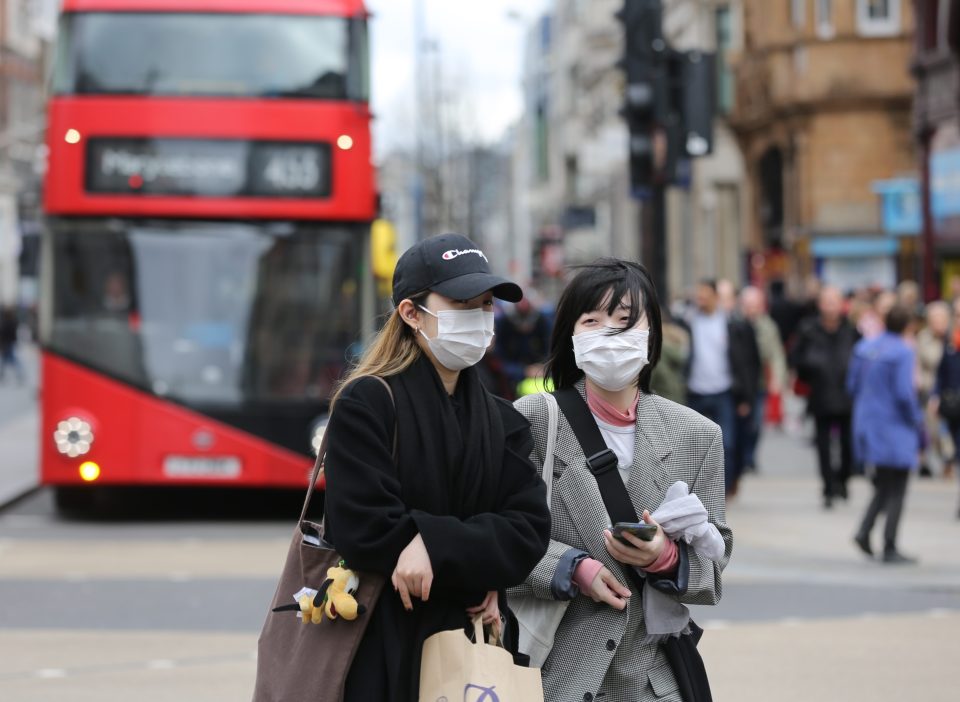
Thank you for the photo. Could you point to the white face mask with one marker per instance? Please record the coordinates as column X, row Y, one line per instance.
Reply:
column 462, row 337
column 612, row 361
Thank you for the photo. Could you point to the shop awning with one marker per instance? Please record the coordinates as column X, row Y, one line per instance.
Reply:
column 854, row 247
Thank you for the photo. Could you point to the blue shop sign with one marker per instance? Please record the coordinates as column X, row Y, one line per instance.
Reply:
column 854, row 247
column 945, row 183
column 900, row 206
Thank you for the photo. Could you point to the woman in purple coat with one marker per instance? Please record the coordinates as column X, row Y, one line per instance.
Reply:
column 886, row 425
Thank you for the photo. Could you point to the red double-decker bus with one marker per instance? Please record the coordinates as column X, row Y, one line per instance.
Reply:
column 208, row 204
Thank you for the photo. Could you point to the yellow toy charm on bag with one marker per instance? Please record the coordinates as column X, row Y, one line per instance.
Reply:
column 335, row 598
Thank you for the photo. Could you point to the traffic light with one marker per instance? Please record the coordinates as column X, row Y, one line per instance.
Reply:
column 643, row 64
column 669, row 99
column 698, row 102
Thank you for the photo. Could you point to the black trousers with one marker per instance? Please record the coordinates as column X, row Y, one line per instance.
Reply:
column 834, row 476
column 889, row 491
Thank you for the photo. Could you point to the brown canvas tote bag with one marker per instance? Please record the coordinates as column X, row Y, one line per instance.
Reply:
column 309, row 662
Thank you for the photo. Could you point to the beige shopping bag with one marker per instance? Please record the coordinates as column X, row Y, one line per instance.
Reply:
column 455, row 669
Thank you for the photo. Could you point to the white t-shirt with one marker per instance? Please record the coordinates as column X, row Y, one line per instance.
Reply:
column 710, row 366
column 620, row 440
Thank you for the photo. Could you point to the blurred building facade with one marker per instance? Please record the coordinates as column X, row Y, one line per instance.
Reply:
column 706, row 233
column 937, row 130
column 467, row 191
column 26, row 33
column 822, row 109
column 571, row 196
column 572, row 202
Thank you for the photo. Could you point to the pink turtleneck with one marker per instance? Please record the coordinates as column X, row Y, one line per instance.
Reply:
column 606, row 412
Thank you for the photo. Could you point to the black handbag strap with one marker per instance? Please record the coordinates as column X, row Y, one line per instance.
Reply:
column 600, row 459
column 602, row 462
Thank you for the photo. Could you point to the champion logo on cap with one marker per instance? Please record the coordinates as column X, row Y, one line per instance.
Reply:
column 454, row 253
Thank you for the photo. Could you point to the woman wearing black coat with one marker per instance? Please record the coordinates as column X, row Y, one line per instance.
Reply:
column 460, row 514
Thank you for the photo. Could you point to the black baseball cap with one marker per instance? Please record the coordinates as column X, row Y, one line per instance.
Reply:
column 451, row 265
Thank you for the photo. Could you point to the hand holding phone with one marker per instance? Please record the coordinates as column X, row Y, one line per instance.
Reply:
column 641, row 530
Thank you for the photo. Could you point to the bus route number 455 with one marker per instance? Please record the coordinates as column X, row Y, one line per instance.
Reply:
column 293, row 171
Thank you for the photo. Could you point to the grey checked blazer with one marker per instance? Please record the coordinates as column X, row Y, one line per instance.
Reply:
column 598, row 650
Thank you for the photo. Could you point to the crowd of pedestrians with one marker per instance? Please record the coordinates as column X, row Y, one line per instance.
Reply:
column 877, row 373
column 605, row 500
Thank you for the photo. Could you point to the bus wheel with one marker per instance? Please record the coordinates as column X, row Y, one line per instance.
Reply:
column 72, row 499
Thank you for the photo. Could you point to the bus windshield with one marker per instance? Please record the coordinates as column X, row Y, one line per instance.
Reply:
column 213, row 55
column 204, row 313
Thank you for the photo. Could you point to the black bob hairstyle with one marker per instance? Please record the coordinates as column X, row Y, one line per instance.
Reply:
column 606, row 280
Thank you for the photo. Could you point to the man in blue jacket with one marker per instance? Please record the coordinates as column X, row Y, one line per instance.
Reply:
column 886, row 425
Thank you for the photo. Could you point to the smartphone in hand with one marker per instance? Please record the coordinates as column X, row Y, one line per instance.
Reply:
column 641, row 530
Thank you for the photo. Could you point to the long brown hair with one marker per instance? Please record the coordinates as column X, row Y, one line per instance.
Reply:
column 392, row 351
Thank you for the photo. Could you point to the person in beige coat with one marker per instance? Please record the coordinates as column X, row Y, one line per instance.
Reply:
column 773, row 375
column 609, row 645
column 930, row 342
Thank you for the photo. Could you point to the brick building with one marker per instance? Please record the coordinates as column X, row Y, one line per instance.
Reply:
column 822, row 111
column 937, row 129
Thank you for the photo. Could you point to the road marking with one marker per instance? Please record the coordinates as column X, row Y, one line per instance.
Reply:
column 180, row 577
column 50, row 673
column 941, row 613
column 24, row 521
column 76, row 577
column 791, row 621
column 162, row 664
column 714, row 624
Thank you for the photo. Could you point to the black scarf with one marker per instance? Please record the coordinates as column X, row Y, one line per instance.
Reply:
column 447, row 445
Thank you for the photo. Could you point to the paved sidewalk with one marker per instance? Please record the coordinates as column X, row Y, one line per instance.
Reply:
column 147, row 666
column 782, row 533
column 904, row 657
column 19, row 424
column 795, row 571
column 804, row 614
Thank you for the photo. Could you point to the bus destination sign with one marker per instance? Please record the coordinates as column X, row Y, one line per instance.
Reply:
column 208, row 168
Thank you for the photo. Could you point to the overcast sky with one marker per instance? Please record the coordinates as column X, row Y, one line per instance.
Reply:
column 480, row 44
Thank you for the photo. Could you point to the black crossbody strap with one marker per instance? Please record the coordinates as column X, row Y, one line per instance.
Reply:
column 600, row 459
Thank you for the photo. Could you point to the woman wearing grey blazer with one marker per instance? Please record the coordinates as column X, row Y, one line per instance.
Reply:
column 606, row 341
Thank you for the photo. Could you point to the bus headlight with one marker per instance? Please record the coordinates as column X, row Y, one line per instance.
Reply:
column 73, row 437
column 316, row 439
column 89, row 471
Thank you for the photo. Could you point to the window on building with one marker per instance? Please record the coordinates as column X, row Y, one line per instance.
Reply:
column 823, row 16
column 878, row 18
column 943, row 23
column 929, row 29
column 20, row 21
column 572, row 172
column 798, row 13
column 541, row 140
column 725, row 84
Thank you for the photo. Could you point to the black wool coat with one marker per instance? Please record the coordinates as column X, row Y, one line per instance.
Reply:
column 821, row 358
column 489, row 539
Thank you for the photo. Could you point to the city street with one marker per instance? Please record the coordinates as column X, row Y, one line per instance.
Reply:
column 167, row 608
column 212, row 214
